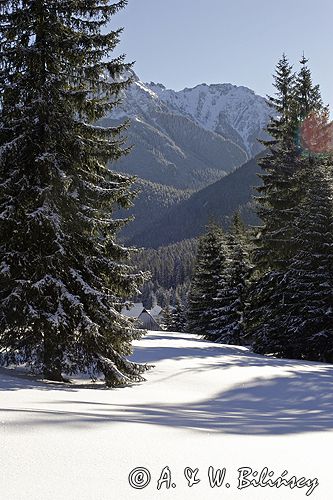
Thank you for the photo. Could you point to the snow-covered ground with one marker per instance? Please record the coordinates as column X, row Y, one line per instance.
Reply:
column 203, row 405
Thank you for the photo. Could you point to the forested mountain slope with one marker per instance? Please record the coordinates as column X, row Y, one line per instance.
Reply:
column 217, row 201
column 191, row 138
column 151, row 203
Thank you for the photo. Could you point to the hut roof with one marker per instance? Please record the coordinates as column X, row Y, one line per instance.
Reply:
column 134, row 311
column 155, row 311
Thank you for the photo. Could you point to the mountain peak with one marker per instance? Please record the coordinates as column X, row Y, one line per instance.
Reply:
column 158, row 85
column 233, row 112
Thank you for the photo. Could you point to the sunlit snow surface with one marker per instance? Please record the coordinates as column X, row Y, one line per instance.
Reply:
column 202, row 405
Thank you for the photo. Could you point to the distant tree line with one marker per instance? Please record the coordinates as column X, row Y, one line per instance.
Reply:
column 171, row 268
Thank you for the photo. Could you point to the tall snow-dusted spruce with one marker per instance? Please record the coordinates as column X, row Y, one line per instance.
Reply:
column 309, row 280
column 63, row 276
column 277, row 193
column 231, row 296
column 300, row 325
column 210, row 262
column 280, row 194
column 290, row 305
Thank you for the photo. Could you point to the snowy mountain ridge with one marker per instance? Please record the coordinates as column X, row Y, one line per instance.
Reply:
column 226, row 109
column 138, row 99
column 170, row 146
column 234, row 112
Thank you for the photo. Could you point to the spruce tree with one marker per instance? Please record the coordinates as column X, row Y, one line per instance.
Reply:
column 300, row 323
column 274, row 299
column 310, row 274
column 63, row 276
column 179, row 316
column 230, row 302
column 168, row 319
column 307, row 95
column 276, row 196
column 210, row 261
column 263, row 317
column 281, row 193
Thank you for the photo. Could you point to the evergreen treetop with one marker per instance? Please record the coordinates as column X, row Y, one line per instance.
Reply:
column 282, row 104
column 281, row 193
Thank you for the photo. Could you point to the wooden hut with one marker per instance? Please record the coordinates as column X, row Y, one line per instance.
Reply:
column 142, row 316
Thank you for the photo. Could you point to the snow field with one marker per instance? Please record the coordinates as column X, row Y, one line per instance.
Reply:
column 202, row 405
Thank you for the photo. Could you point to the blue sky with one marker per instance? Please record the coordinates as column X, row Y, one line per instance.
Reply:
column 182, row 43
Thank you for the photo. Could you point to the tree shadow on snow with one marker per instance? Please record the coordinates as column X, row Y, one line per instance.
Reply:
column 14, row 379
column 297, row 403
